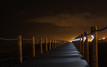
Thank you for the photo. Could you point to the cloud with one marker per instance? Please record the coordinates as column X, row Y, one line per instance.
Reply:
column 74, row 23
column 78, row 20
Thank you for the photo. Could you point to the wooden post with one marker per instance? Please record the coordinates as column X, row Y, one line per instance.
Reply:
column 83, row 45
column 46, row 45
column 94, row 48
column 80, row 44
column 41, row 46
column 87, row 47
column 50, row 44
column 33, row 39
column 55, row 43
column 20, row 49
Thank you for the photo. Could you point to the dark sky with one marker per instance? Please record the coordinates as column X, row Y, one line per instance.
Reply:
column 63, row 19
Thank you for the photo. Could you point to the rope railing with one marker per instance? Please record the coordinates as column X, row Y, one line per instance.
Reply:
column 8, row 39
column 26, row 39
column 14, row 39
column 91, row 33
column 97, row 30
column 84, row 45
column 50, row 44
column 102, row 29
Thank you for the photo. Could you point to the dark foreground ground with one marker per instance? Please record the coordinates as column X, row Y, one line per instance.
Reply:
column 64, row 56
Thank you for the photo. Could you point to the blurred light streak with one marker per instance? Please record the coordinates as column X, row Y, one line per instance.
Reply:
column 78, row 39
column 92, row 38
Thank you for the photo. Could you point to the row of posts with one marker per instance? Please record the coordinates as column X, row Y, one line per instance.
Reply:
column 52, row 45
column 84, row 47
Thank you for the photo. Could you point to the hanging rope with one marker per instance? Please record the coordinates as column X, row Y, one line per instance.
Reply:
column 91, row 33
column 102, row 29
column 98, row 30
column 26, row 39
column 8, row 39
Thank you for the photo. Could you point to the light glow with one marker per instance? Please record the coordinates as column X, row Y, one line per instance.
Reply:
column 84, row 38
column 78, row 39
column 99, row 39
column 70, row 41
column 89, row 40
column 92, row 38
column 103, row 38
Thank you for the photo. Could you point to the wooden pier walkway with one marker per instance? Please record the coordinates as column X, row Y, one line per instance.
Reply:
column 65, row 56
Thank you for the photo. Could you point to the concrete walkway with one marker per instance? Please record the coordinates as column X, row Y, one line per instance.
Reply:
column 64, row 56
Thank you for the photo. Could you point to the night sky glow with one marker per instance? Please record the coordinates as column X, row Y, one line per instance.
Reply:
column 64, row 19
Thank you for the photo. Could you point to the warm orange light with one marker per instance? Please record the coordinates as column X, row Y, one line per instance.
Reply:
column 99, row 39
column 70, row 41
column 103, row 38
column 90, row 40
